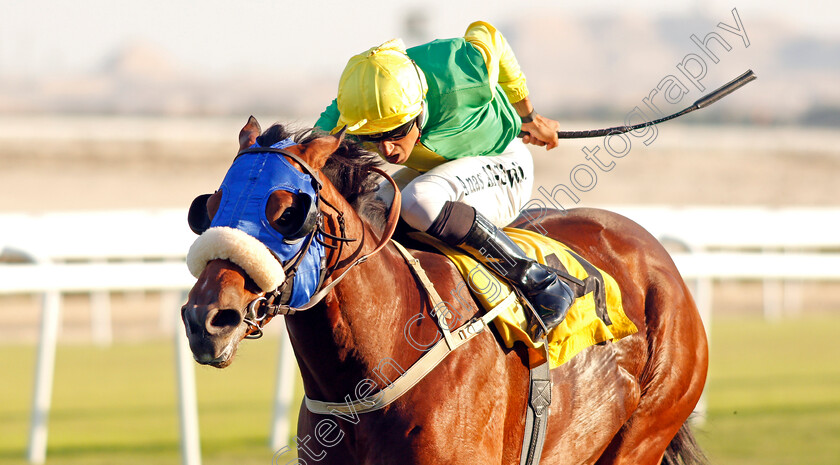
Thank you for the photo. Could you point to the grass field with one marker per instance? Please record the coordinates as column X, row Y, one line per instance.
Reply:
column 774, row 398
column 774, row 393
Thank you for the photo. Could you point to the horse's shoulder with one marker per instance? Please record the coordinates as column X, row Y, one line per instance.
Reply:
column 441, row 271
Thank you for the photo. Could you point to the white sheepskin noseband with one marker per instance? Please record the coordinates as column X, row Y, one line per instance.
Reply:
column 240, row 248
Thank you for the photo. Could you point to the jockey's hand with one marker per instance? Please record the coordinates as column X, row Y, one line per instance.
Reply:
column 542, row 131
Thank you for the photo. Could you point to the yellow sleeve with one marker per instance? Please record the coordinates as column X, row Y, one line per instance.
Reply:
column 500, row 60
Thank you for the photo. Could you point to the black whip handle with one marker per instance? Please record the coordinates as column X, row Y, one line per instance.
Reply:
column 702, row 102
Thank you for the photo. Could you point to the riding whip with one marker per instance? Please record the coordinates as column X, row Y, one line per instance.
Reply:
column 702, row 102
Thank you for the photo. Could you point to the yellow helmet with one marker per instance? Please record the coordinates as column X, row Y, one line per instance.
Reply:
column 380, row 90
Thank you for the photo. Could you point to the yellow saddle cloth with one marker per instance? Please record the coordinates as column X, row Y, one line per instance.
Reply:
column 596, row 316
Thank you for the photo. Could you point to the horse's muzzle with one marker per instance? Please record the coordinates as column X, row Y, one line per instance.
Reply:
column 213, row 334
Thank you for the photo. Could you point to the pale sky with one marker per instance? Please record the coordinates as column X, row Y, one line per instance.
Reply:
column 39, row 37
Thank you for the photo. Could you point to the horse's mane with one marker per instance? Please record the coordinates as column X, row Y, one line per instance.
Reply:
column 348, row 169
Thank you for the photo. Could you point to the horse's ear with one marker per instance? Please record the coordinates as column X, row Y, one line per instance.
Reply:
column 316, row 152
column 248, row 134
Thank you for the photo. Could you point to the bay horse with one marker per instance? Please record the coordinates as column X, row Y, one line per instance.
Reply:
column 625, row 402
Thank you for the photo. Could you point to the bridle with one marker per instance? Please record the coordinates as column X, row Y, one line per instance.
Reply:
column 269, row 304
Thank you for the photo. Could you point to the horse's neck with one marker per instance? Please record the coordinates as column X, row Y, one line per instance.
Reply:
column 358, row 326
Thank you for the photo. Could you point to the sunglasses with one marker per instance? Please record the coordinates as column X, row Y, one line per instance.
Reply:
column 394, row 134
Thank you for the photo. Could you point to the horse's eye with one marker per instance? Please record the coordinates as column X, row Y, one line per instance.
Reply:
column 289, row 215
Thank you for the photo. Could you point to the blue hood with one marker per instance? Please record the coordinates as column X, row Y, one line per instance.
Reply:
column 245, row 190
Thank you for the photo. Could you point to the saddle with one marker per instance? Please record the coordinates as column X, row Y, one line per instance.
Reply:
column 596, row 317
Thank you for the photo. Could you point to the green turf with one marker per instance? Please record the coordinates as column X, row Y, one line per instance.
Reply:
column 774, row 392
column 774, row 398
column 118, row 405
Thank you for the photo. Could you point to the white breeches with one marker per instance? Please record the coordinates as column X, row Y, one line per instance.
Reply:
column 496, row 186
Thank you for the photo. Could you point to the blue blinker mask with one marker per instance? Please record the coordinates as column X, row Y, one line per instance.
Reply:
column 249, row 182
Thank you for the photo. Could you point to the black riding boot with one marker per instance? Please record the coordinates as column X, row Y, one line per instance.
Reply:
column 550, row 296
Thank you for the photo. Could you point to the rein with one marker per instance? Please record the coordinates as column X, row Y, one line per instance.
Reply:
column 268, row 305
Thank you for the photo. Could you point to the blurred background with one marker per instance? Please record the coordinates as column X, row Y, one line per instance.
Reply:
column 115, row 115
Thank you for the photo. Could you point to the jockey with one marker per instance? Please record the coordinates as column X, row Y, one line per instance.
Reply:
column 451, row 110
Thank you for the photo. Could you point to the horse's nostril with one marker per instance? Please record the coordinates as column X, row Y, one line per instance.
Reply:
column 189, row 320
column 226, row 318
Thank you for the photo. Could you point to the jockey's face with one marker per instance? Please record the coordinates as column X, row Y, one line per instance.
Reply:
column 397, row 151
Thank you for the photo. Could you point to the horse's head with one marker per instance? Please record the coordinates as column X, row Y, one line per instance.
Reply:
column 257, row 241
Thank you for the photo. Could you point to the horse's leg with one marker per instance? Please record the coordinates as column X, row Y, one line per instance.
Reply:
column 673, row 378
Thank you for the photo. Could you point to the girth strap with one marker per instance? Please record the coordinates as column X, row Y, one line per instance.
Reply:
column 536, row 416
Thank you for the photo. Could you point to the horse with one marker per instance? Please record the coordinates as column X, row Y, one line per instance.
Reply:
column 626, row 402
